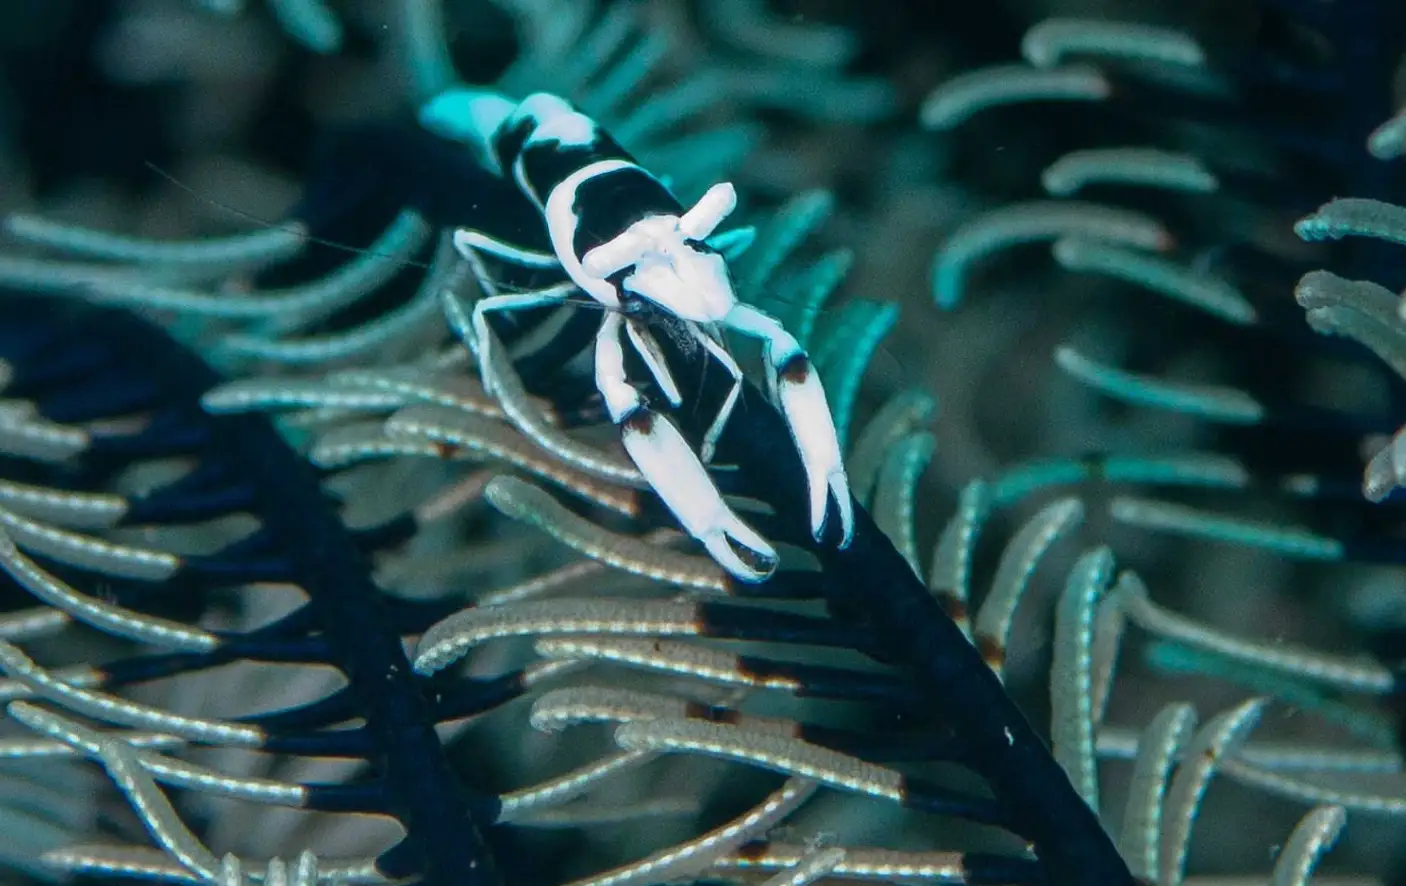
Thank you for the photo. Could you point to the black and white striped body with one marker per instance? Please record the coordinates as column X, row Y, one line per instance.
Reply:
column 622, row 237
column 546, row 140
column 589, row 187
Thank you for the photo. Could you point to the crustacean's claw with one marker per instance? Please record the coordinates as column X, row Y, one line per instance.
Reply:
column 796, row 390
column 673, row 470
column 679, row 478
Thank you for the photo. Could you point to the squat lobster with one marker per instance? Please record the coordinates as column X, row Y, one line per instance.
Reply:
column 622, row 237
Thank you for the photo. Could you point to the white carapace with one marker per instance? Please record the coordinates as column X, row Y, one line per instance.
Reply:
column 621, row 236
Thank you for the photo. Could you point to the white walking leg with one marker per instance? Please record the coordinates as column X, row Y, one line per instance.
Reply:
column 715, row 430
column 483, row 336
column 491, row 300
column 467, row 241
column 653, row 358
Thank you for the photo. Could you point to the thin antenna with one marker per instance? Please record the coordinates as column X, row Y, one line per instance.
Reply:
column 288, row 229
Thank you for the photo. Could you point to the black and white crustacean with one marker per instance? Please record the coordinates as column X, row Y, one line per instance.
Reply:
column 622, row 237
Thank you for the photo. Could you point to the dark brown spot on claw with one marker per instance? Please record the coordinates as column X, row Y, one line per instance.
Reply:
column 640, row 421
column 795, row 370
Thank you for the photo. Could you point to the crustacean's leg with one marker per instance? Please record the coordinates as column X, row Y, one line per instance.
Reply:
column 469, row 243
column 719, row 353
column 653, row 358
column 467, row 240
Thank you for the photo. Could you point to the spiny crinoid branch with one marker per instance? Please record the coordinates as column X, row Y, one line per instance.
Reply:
column 870, row 580
column 1368, row 38
column 441, row 817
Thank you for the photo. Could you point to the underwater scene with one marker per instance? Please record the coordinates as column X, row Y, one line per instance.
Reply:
column 762, row 442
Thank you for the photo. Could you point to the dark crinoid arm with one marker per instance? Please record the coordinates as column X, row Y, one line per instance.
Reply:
column 872, row 584
column 242, row 466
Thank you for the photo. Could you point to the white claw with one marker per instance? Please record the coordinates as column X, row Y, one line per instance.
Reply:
column 673, row 470
column 795, row 388
column 679, row 478
column 801, row 397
